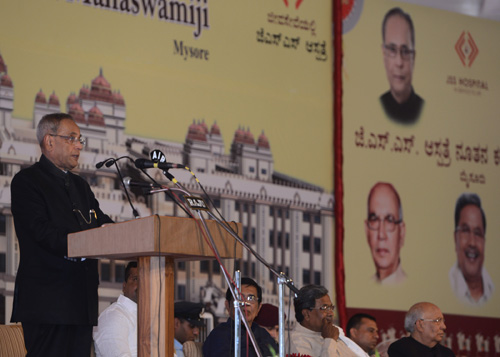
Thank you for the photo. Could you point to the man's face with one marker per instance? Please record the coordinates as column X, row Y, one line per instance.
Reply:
column 185, row 331
column 387, row 239
column 130, row 286
column 60, row 151
column 432, row 331
column 274, row 331
column 398, row 67
column 366, row 336
column 315, row 318
column 470, row 242
column 251, row 308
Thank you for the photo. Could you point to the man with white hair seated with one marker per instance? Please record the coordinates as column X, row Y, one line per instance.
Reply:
column 425, row 323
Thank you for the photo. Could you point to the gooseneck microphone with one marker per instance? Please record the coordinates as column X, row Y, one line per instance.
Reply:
column 128, row 181
column 101, row 163
column 147, row 164
column 112, row 161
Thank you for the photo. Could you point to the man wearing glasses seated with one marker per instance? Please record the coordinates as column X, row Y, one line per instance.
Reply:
column 385, row 231
column 469, row 279
column 400, row 103
column 220, row 342
column 315, row 334
column 425, row 323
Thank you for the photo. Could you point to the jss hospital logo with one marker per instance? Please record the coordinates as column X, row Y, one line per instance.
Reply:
column 466, row 49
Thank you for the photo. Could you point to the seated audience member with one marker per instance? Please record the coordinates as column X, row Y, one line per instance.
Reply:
column 116, row 330
column 268, row 318
column 362, row 329
column 425, row 323
column 187, row 321
column 220, row 342
column 315, row 333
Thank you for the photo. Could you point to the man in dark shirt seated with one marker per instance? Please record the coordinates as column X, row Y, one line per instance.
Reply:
column 220, row 342
column 425, row 323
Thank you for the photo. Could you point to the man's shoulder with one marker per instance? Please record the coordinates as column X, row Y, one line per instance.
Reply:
column 386, row 98
column 221, row 329
column 402, row 343
column 445, row 351
column 115, row 310
column 29, row 171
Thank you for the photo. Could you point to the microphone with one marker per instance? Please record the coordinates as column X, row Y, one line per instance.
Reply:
column 128, row 181
column 147, row 164
column 101, row 163
column 110, row 161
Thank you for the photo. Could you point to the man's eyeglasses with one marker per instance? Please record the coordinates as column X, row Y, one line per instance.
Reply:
column 466, row 231
column 324, row 308
column 72, row 139
column 393, row 50
column 389, row 222
column 436, row 321
column 251, row 299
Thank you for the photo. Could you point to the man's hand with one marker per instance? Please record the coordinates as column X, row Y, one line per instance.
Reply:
column 329, row 330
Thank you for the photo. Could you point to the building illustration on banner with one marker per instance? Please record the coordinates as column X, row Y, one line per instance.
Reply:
column 287, row 221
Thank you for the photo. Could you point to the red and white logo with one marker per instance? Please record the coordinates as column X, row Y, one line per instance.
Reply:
column 466, row 49
column 297, row 3
column 351, row 12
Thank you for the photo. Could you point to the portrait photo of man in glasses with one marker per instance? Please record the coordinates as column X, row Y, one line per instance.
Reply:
column 401, row 104
column 385, row 231
column 469, row 280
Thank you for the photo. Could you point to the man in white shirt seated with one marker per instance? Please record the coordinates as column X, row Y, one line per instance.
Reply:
column 187, row 323
column 116, row 330
column 315, row 334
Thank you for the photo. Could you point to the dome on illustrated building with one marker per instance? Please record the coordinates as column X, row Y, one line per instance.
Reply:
column 118, row 98
column 239, row 136
column 76, row 111
column 215, row 130
column 100, row 89
column 263, row 142
column 96, row 117
column 248, row 137
column 72, row 99
column 3, row 66
column 204, row 126
column 196, row 132
column 5, row 81
column 40, row 97
column 53, row 99
column 84, row 92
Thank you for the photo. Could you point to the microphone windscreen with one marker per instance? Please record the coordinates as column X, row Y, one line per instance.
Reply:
column 110, row 162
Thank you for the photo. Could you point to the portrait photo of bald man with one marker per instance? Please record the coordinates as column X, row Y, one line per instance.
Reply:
column 385, row 232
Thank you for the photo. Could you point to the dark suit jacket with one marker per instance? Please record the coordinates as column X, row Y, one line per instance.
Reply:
column 409, row 347
column 404, row 113
column 50, row 288
column 220, row 342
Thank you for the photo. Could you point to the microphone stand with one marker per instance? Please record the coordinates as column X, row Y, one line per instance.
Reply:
column 238, row 303
column 282, row 279
column 113, row 161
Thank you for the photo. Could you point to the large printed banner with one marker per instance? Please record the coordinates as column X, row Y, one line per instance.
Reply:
column 422, row 166
column 264, row 66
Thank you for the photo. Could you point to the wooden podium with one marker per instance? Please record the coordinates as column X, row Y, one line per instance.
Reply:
column 156, row 241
